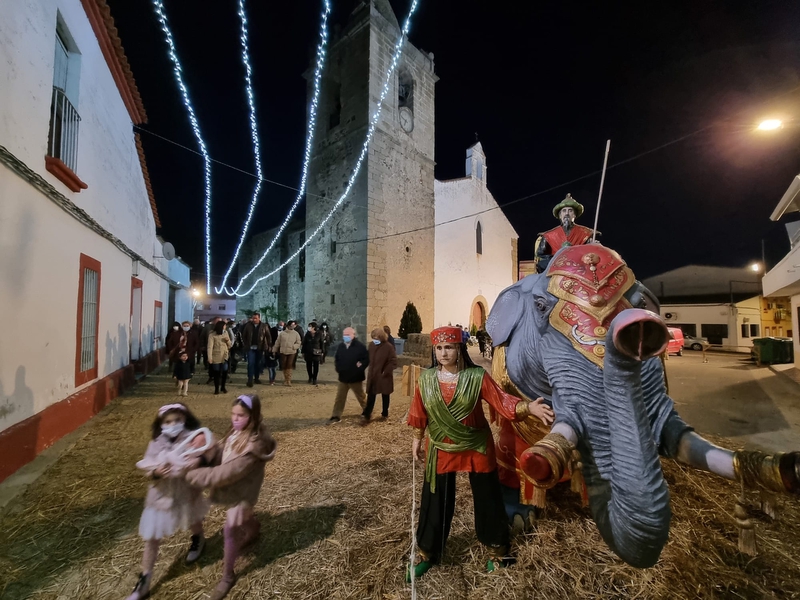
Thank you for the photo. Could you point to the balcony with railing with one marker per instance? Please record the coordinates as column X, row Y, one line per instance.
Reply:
column 62, row 144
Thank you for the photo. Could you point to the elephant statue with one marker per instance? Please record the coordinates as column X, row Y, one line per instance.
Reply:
column 581, row 336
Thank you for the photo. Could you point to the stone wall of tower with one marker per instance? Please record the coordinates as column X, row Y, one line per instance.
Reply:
column 400, row 187
column 365, row 283
column 336, row 276
column 285, row 290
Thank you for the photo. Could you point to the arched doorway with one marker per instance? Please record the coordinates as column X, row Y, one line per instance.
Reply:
column 478, row 313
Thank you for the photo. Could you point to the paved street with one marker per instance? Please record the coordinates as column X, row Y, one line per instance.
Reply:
column 731, row 397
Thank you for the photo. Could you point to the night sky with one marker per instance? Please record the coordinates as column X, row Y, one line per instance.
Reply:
column 543, row 84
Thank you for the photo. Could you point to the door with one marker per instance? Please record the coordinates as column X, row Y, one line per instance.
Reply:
column 136, row 319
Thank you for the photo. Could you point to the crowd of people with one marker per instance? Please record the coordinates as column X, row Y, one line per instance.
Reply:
column 221, row 345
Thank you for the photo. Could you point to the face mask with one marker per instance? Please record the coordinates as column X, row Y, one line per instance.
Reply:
column 239, row 425
column 346, row 339
column 186, row 328
column 172, row 430
column 376, row 342
column 175, row 328
column 280, row 328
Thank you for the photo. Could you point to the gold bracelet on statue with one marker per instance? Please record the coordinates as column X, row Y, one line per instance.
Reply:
column 757, row 470
column 419, row 433
column 557, row 451
column 522, row 410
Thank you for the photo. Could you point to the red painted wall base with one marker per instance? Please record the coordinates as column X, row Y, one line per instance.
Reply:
column 21, row 443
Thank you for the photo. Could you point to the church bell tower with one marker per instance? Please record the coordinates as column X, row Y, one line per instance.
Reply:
column 376, row 253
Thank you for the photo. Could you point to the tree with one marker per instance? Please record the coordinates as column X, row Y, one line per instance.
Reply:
column 410, row 322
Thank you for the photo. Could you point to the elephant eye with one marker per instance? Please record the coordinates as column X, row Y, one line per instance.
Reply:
column 541, row 305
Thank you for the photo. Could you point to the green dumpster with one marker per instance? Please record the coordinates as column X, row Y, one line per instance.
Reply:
column 770, row 350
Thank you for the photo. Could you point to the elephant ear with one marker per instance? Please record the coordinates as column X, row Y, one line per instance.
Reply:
column 506, row 313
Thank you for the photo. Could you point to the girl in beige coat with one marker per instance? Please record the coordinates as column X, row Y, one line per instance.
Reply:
column 235, row 480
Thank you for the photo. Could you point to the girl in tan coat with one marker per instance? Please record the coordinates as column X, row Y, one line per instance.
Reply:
column 235, row 479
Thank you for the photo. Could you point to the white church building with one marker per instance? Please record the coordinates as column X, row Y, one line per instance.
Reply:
column 85, row 288
column 475, row 258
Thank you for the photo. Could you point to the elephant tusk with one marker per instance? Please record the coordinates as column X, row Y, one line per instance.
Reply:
column 585, row 341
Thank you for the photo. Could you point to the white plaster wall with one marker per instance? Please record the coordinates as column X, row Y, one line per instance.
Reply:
column 40, row 247
column 718, row 314
column 107, row 159
column 460, row 273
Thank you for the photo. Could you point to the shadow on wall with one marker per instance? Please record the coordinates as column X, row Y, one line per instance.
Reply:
column 18, row 405
column 117, row 351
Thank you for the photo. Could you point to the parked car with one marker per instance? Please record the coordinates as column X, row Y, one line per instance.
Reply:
column 675, row 344
column 693, row 342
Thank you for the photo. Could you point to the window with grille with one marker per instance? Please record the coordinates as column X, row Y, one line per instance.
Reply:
column 88, row 320
column 64, row 117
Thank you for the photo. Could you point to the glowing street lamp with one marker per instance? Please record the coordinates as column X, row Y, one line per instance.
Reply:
column 770, row 125
column 755, row 267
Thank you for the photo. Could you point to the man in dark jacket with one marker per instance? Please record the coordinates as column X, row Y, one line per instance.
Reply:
column 351, row 361
column 256, row 340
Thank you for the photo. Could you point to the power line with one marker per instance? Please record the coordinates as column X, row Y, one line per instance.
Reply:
column 221, row 163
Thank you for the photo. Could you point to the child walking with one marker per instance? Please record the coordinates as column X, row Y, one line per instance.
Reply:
column 235, row 480
column 171, row 504
column 183, row 373
column 272, row 364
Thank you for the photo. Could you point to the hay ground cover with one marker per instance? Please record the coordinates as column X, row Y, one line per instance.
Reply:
column 335, row 513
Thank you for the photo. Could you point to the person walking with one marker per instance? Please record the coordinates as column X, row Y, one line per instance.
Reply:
column 218, row 350
column 351, row 360
column 235, row 477
column 388, row 331
column 208, row 329
column 312, row 351
column 380, row 378
column 183, row 373
column 171, row 344
column 286, row 346
column 327, row 340
column 256, row 340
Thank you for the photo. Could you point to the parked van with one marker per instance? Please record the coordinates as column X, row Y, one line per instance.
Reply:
column 675, row 345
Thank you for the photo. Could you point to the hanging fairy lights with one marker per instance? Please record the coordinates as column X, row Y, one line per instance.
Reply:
column 173, row 55
column 312, row 125
column 365, row 148
column 248, row 77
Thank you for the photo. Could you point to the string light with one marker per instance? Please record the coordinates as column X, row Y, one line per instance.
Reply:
column 398, row 49
column 256, row 143
column 173, row 55
column 312, row 122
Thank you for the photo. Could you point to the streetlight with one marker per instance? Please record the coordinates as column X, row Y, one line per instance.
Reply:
column 755, row 267
column 770, row 125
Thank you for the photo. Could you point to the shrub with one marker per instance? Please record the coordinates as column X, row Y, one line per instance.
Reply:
column 410, row 322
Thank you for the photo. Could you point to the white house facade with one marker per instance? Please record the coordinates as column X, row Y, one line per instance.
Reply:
column 476, row 247
column 83, row 275
column 722, row 304
column 784, row 278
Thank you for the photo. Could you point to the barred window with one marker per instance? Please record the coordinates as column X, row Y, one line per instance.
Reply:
column 88, row 320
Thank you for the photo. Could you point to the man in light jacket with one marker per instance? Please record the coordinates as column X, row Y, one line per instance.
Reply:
column 287, row 345
column 351, row 361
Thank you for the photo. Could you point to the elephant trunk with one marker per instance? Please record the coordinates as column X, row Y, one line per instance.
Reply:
column 635, row 518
